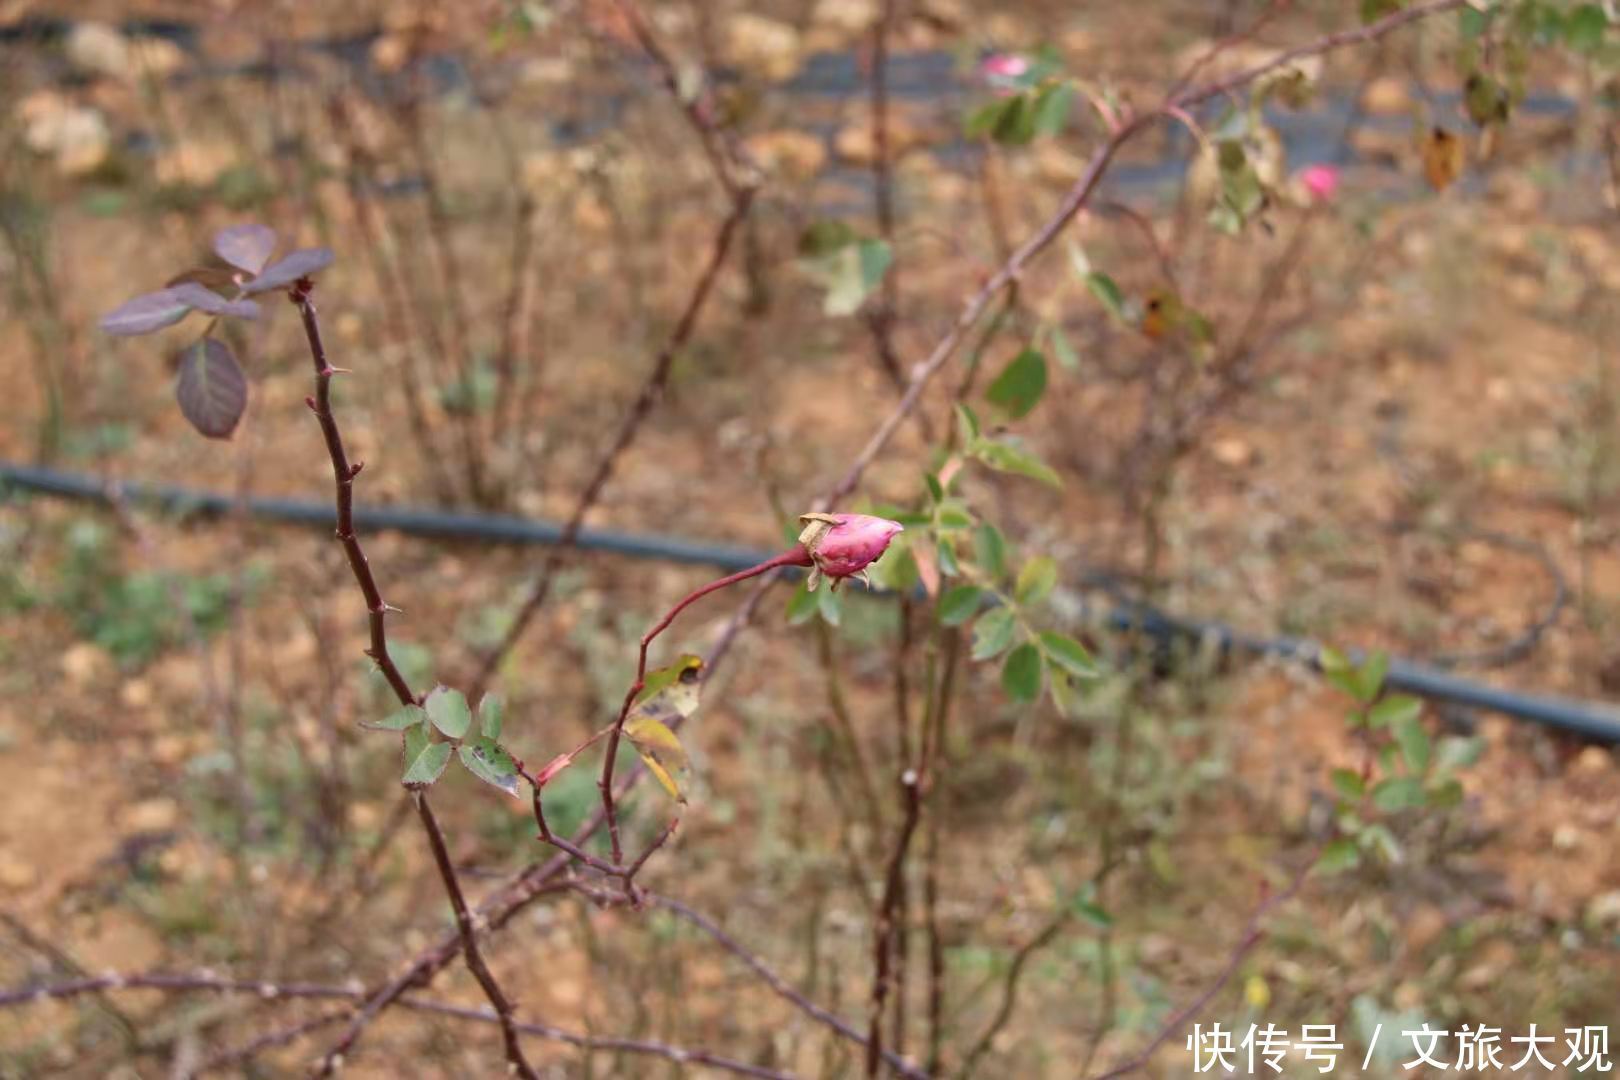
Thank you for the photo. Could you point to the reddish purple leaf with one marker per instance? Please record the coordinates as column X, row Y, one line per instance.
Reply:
column 218, row 278
column 212, row 390
column 246, row 246
column 145, row 314
column 206, row 300
column 301, row 263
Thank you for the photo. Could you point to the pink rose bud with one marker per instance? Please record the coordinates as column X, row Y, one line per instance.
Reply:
column 844, row 545
column 1321, row 181
column 1003, row 70
column 1003, row 66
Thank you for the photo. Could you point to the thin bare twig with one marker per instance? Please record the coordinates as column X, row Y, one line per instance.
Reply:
column 270, row 991
column 740, row 182
column 884, row 313
column 1253, row 933
column 777, row 983
column 651, row 390
column 1009, row 993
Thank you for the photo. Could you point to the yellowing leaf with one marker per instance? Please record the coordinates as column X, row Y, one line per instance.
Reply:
column 660, row 750
column 1443, row 158
column 672, row 691
column 670, row 694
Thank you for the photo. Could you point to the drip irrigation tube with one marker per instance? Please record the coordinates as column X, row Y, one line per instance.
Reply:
column 1589, row 719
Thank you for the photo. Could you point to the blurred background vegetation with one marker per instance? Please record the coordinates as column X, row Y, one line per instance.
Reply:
column 1384, row 418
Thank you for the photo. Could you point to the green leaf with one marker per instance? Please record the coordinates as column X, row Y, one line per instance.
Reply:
column 1061, row 688
column 993, row 633
column 1051, row 108
column 1015, row 126
column 990, row 548
column 1349, row 784
column 490, row 710
column 1063, row 349
column 1377, row 837
column 1005, row 457
column 1084, row 904
column 826, row 237
column 448, row 710
column 1399, row 793
column 986, row 118
column 1339, row 856
column 1585, row 27
column 830, row 606
column 1018, row 389
column 409, row 716
column 802, row 606
column 1036, row 580
column 1069, row 654
column 1021, row 673
column 1373, row 10
column 488, row 760
column 967, row 422
column 1103, row 288
column 1446, row 794
column 1458, row 752
column 848, row 271
column 1485, row 99
column 1413, row 739
column 1370, row 676
column 1395, row 709
column 959, row 604
column 427, row 766
column 416, row 740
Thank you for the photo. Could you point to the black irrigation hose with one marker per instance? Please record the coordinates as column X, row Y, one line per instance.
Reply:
column 1592, row 720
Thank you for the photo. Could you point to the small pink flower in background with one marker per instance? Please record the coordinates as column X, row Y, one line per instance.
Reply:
column 843, row 545
column 1322, row 181
column 1003, row 66
column 1003, row 70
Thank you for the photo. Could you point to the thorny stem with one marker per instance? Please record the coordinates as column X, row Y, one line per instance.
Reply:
column 796, row 556
column 343, row 474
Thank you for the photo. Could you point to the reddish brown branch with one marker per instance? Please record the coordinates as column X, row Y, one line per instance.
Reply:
column 777, row 983
column 211, row 983
column 882, row 314
column 883, row 935
column 343, row 474
column 796, row 556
